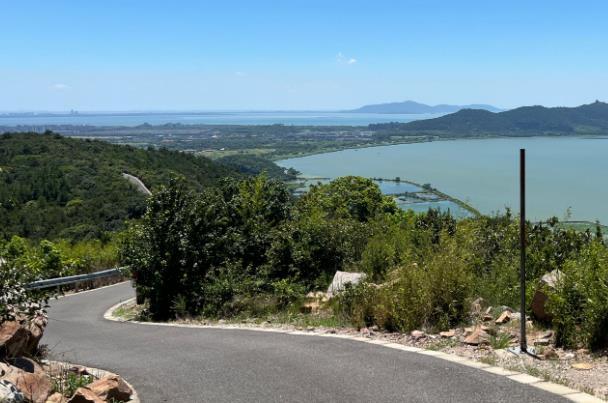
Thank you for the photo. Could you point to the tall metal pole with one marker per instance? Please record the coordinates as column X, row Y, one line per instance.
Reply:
column 523, row 344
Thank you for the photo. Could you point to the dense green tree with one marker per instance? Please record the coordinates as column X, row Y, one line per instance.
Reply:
column 348, row 197
column 52, row 186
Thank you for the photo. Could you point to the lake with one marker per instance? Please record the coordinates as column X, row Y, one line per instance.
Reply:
column 300, row 118
column 563, row 174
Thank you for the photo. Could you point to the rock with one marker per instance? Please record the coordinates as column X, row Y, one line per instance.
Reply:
column 29, row 378
column 477, row 337
column 85, row 395
column 549, row 353
column 539, row 301
column 487, row 318
column 35, row 328
column 18, row 338
column 504, row 317
column 56, row 398
column 582, row 366
column 9, row 393
column 417, row 334
column 13, row 339
column 448, row 333
column 341, row 278
column 111, row 387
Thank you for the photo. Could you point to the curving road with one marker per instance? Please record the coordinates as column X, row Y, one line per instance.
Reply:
column 171, row 364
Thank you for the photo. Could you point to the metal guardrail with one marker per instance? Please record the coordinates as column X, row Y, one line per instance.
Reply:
column 55, row 282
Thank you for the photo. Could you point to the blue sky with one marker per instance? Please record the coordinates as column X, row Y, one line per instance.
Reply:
column 161, row 55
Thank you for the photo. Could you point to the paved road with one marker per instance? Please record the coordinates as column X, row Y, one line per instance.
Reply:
column 169, row 364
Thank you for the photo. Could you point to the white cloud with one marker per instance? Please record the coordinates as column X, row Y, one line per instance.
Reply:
column 342, row 59
column 60, row 87
column 240, row 74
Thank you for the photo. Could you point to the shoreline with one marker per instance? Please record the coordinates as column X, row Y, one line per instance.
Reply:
column 573, row 223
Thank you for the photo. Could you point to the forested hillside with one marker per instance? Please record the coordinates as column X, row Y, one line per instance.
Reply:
column 52, row 186
column 529, row 120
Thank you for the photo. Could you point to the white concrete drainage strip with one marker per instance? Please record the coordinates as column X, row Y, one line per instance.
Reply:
column 515, row 376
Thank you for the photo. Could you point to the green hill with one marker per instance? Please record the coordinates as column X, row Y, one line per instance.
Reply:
column 528, row 120
column 53, row 186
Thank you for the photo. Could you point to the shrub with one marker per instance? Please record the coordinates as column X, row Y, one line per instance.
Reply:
column 358, row 305
column 15, row 299
column 432, row 293
column 580, row 302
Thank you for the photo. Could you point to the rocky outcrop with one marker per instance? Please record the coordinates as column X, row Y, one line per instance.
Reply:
column 29, row 378
column 13, row 339
column 23, row 380
column 21, row 337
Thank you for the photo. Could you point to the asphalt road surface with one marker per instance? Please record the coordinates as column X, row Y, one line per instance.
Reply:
column 172, row 364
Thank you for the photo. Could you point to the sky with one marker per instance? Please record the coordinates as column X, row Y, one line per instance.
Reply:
column 299, row 55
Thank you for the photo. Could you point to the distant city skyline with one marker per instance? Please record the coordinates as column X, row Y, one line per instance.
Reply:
column 206, row 56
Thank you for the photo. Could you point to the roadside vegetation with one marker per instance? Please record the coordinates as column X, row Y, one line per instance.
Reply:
column 248, row 249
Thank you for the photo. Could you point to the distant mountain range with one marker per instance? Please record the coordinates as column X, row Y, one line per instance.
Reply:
column 527, row 120
column 415, row 108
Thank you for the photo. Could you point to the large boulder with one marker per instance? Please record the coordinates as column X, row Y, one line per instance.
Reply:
column 9, row 393
column 85, row 395
column 477, row 336
column 341, row 279
column 56, row 398
column 111, row 387
column 21, row 337
column 13, row 339
column 29, row 378
column 539, row 301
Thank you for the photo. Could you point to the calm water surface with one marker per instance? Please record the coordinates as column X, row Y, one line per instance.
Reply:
column 563, row 173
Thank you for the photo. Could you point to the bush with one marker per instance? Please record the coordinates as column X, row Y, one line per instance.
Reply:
column 15, row 299
column 201, row 253
column 359, row 306
column 430, row 294
column 580, row 302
